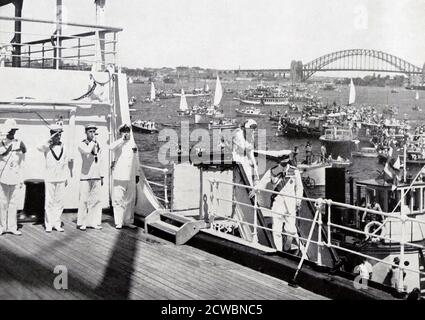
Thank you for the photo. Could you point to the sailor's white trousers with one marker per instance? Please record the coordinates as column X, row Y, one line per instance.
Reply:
column 55, row 197
column 89, row 208
column 8, row 207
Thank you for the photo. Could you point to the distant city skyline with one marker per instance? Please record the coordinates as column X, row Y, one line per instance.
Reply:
column 228, row 34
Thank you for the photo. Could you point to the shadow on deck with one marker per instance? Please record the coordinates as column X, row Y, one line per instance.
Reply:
column 126, row 264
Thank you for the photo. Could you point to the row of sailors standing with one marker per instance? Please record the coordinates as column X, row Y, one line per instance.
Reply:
column 58, row 165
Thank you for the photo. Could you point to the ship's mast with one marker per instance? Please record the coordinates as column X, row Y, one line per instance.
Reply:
column 100, row 20
column 58, row 34
column 100, row 12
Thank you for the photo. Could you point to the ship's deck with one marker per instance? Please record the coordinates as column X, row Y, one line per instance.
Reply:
column 126, row 264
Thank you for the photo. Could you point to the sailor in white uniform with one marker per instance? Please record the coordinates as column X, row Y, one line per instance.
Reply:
column 12, row 155
column 126, row 174
column 57, row 170
column 243, row 149
column 286, row 180
column 91, row 181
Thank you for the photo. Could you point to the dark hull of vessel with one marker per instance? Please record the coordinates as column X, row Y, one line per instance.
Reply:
column 243, row 114
column 143, row 130
column 299, row 131
column 339, row 148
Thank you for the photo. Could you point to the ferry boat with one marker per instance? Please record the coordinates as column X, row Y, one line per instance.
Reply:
column 265, row 101
column 250, row 112
column 311, row 127
column 193, row 93
column 329, row 86
column 144, row 126
column 339, row 141
column 214, row 207
column 222, row 124
column 365, row 152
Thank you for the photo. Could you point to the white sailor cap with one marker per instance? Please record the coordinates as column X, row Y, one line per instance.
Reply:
column 10, row 124
column 124, row 127
column 250, row 124
column 55, row 128
column 90, row 126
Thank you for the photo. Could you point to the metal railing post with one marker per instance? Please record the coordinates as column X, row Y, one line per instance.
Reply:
column 42, row 56
column 400, row 285
column 319, row 233
column 166, row 190
column 255, row 231
column 79, row 53
column 329, row 223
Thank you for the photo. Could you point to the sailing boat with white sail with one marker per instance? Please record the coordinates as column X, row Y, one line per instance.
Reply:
column 416, row 107
column 183, row 107
column 153, row 93
column 152, row 97
column 206, row 88
column 218, row 94
column 352, row 97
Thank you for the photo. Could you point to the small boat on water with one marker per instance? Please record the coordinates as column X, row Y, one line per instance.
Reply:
column 183, row 107
column 339, row 162
column 329, row 86
column 250, row 112
column 144, row 126
column 339, row 141
column 152, row 98
column 365, row 152
column 223, row 124
column 132, row 101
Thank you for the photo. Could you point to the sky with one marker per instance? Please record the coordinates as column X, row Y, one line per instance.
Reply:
column 228, row 34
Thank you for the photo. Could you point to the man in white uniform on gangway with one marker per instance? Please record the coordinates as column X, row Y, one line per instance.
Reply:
column 126, row 174
column 286, row 180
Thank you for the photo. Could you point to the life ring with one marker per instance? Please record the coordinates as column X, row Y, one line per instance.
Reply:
column 375, row 225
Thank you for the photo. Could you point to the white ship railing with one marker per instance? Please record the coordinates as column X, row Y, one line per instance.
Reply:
column 163, row 185
column 71, row 46
column 323, row 209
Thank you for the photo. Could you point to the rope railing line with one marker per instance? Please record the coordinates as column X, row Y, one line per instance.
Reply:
column 263, row 209
column 268, row 229
column 164, row 170
column 325, row 201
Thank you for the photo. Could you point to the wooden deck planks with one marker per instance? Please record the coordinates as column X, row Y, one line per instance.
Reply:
column 126, row 264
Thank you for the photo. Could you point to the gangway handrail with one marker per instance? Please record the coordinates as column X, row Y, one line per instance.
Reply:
column 164, row 185
column 320, row 243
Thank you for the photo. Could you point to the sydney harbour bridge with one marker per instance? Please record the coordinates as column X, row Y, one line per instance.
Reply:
column 351, row 60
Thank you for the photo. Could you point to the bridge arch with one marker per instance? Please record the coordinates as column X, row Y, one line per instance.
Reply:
column 320, row 63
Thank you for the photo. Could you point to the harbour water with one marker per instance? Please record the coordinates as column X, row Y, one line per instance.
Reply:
column 361, row 168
